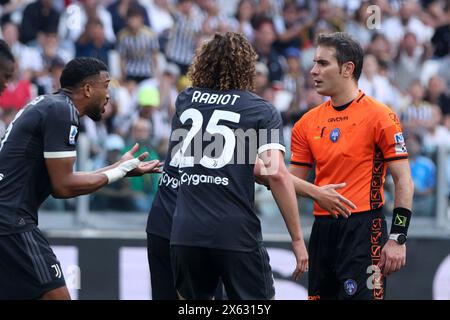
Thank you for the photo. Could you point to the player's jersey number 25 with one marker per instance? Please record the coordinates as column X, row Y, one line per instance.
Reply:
column 182, row 161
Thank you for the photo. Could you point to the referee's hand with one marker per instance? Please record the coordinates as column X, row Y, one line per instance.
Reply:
column 393, row 257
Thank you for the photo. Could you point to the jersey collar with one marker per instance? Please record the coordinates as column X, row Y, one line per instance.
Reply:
column 69, row 101
column 345, row 106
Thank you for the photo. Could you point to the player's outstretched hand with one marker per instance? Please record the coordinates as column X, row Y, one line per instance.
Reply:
column 144, row 167
column 333, row 202
column 301, row 255
column 130, row 154
column 393, row 257
column 153, row 166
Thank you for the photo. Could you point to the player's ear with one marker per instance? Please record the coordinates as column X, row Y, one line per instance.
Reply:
column 87, row 90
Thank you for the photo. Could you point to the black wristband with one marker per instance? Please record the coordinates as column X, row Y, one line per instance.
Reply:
column 400, row 220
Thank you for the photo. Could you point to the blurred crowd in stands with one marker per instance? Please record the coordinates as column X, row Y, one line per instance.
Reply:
column 149, row 44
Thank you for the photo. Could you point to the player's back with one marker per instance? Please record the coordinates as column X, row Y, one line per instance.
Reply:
column 33, row 135
column 222, row 132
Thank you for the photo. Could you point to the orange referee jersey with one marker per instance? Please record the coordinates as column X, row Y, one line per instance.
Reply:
column 352, row 145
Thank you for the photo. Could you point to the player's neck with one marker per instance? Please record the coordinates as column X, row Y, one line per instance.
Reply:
column 345, row 96
column 74, row 96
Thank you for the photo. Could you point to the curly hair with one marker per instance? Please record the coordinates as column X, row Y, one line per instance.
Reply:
column 223, row 63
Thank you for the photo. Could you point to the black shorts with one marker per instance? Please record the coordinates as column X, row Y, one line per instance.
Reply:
column 343, row 254
column 28, row 266
column 158, row 253
column 245, row 275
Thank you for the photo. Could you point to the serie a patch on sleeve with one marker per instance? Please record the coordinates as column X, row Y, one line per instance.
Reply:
column 73, row 135
column 400, row 146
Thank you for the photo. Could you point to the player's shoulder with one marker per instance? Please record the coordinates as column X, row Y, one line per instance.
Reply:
column 259, row 101
column 57, row 104
column 184, row 99
column 53, row 100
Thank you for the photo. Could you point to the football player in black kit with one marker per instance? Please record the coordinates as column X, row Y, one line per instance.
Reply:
column 160, row 218
column 215, row 231
column 37, row 155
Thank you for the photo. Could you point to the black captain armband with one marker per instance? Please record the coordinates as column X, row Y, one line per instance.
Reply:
column 400, row 221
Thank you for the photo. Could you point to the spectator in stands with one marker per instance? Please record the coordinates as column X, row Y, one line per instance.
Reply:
column 264, row 39
column 93, row 43
column 73, row 21
column 18, row 92
column 288, row 28
column 436, row 134
column 143, row 189
column 376, row 85
column 214, row 20
column 49, row 82
column 37, row 17
column 416, row 115
column 138, row 47
column 438, row 94
column 410, row 60
column 28, row 58
column 184, row 36
column 241, row 22
column 261, row 78
column 395, row 27
column 380, row 47
column 358, row 26
column 118, row 10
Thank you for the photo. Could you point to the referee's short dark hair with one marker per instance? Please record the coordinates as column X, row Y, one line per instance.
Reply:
column 78, row 69
column 347, row 49
column 5, row 51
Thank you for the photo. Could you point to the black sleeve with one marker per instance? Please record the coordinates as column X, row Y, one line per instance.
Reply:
column 60, row 131
column 270, row 135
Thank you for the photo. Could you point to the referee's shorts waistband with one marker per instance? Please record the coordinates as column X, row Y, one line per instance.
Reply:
column 374, row 213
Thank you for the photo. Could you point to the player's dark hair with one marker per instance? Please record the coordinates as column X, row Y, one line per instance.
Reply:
column 223, row 63
column 79, row 69
column 347, row 49
column 5, row 51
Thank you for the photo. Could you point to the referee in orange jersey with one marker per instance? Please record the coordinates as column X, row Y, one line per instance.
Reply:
column 352, row 138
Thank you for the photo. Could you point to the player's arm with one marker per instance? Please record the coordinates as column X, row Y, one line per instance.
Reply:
column 302, row 160
column 393, row 254
column 67, row 184
column 326, row 197
column 281, row 185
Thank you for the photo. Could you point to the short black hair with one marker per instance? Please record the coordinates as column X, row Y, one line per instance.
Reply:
column 78, row 69
column 258, row 20
column 134, row 11
column 5, row 51
column 347, row 49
